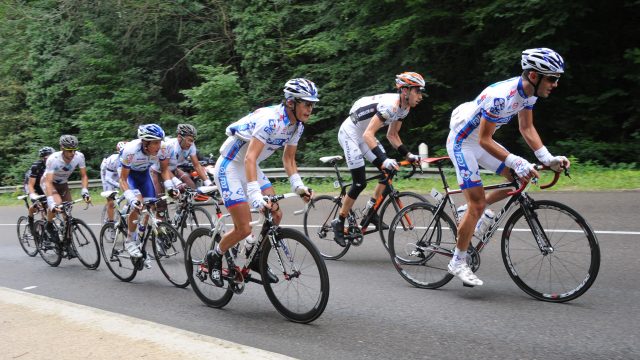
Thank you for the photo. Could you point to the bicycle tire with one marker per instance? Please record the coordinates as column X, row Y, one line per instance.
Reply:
column 305, row 273
column 85, row 245
column 198, row 244
column 193, row 221
column 569, row 270
column 168, row 248
column 322, row 210
column 115, row 255
column 385, row 218
column 25, row 237
column 51, row 256
column 421, row 253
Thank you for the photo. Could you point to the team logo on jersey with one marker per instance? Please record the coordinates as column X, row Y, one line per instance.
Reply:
column 268, row 130
column 226, row 195
column 515, row 105
column 498, row 105
column 481, row 99
column 460, row 160
column 511, row 94
column 466, row 174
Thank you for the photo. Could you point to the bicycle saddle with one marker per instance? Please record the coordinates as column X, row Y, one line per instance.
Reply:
column 326, row 159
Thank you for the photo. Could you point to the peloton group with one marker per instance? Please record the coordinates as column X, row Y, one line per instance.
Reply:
column 148, row 166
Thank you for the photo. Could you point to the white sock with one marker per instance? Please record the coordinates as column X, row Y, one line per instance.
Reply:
column 459, row 256
column 218, row 251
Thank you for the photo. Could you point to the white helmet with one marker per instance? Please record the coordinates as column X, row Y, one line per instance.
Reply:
column 542, row 60
column 120, row 145
column 302, row 89
column 150, row 132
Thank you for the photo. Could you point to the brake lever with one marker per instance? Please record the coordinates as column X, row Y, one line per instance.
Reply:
column 566, row 172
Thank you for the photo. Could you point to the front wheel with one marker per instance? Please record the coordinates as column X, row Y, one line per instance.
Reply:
column 198, row 244
column 317, row 226
column 115, row 254
column 85, row 244
column 197, row 217
column 565, row 263
column 391, row 207
column 168, row 248
column 26, row 238
column 302, row 290
column 421, row 244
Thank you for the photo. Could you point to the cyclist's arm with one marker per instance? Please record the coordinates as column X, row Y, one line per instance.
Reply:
column 124, row 174
column 48, row 180
column 84, row 178
column 528, row 130
column 289, row 159
column 393, row 134
column 485, row 133
column 31, row 184
column 164, row 170
column 198, row 168
column 369, row 135
column 250, row 160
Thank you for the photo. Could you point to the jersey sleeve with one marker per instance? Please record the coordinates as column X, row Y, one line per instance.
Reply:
column 295, row 138
column 264, row 128
column 492, row 108
column 384, row 111
column 125, row 159
column 35, row 170
column 81, row 163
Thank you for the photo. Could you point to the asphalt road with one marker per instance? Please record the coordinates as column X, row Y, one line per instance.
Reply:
column 373, row 313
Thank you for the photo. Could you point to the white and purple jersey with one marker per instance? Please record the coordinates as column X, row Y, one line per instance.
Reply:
column 386, row 106
column 109, row 172
column 60, row 169
column 497, row 103
column 132, row 157
column 270, row 125
column 176, row 154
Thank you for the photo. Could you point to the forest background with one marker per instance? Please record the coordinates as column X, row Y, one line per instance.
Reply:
column 97, row 69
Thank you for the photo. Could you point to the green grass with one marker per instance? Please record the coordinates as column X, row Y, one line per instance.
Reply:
column 584, row 177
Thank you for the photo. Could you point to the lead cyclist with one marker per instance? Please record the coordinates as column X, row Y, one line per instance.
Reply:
column 470, row 143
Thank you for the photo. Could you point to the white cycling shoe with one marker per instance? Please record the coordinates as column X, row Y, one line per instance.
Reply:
column 133, row 249
column 463, row 271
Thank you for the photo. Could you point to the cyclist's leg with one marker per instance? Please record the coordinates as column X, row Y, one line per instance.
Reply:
column 489, row 162
column 184, row 177
column 158, row 188
column 110, row 204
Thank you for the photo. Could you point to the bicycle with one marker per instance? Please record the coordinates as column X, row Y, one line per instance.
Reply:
column 548, row 249
column 167, row 243
column 75, row 239
column 25, row 237
column 324, row 208
column 190, row 213
column 300, row 291
column 103, row 214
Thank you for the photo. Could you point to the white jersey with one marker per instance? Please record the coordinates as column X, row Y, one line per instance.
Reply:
column 386, row 106
column 132, row 157
column 109, row 170
column 60, row 169
column 270, row 125
column 175, row 153
column 497, row 103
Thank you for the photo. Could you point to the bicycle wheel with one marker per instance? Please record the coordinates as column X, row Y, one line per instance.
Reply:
column 26, row 239
column 561, row 273
column 195, row 219
column 302, row 291
column 199, row 242
column 421, row 251
column 114, row 253
column 85, row 244
column 51, row 255
column 169, row 252
column 391, row 207
column 317, row 226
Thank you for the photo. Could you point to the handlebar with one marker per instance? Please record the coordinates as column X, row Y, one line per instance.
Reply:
column 556, row 176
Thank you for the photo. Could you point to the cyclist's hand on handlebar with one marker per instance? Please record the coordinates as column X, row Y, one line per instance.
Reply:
column 559, row 163
column 254, row 195
column 522, row 167
column 305, row 193
column 412, row 158
column 390, row 164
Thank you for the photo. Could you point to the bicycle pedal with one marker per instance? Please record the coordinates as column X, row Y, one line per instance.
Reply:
column 468, row 285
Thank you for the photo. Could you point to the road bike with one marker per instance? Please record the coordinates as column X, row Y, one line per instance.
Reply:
column 324, row 208
column 297, row 281
column 25, row 237
column 548, row 249
column 74, row 239
column 167, row 243
column 189, row 211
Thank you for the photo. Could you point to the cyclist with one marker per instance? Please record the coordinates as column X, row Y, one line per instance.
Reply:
column 32, row 177
column 470, row 141
column 136, row 158
column 59, row 166
column 110, row 176
column 181, row 150
column 357, row 138
column 252, row 139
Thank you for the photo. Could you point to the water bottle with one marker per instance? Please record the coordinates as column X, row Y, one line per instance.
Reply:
column 436, row 195
column 484, row 223
column 460, row 211
column 368, row 207
column 249, row 241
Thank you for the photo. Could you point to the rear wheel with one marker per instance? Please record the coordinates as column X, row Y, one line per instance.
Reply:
column 198, row 244
column 115, row 255
column 85, row 244
column 26, row 238
column 421, row 244
column 565, row 267
column 197, row 217
column 317, row 226
column 302, row 290
column 168, row 248
column 50, row 254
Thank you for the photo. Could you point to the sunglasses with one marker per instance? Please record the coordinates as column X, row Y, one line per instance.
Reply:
column 309, row 104
column 552, row 79
column 76, row 149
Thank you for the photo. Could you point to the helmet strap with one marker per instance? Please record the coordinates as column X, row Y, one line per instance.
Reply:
column 536, row 85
